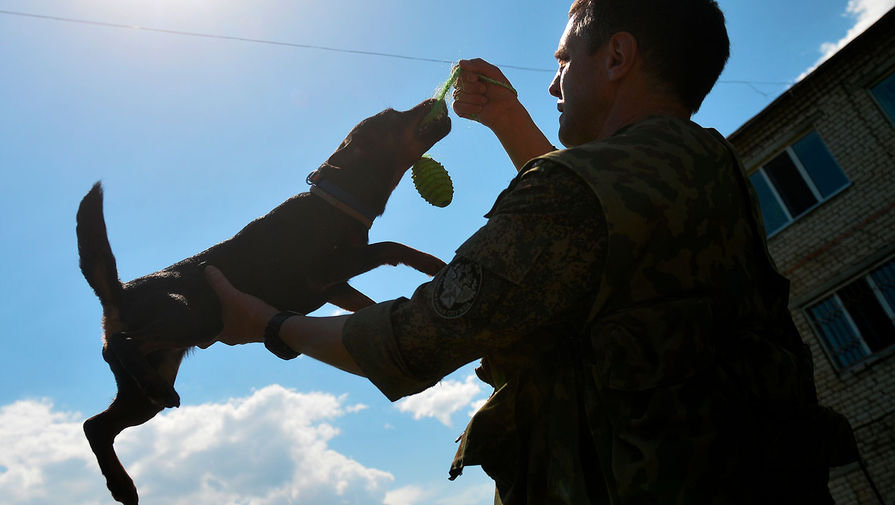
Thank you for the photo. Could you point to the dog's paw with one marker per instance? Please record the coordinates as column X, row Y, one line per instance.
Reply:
column 162, row 394
column 124, row 492
column 173, row 399
column 432, row 265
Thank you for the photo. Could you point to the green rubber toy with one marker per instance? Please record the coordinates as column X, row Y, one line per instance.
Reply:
column 439, row 108
column 432, row 182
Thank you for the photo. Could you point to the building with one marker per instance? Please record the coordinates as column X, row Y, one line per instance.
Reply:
column 822, row 160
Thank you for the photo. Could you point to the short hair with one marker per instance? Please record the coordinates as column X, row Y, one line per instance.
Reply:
column 684, row 43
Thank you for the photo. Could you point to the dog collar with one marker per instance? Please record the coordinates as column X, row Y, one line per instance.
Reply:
column 335, row 196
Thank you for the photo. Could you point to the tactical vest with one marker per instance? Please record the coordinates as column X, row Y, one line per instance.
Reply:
column 687, row 262
column 688, row 330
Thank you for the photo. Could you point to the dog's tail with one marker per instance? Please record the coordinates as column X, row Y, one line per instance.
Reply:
column 97, row 262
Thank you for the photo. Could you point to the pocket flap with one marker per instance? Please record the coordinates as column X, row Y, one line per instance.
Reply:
column 654, row 345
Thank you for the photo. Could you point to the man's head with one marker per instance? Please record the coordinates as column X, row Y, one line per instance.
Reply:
column 674, row 48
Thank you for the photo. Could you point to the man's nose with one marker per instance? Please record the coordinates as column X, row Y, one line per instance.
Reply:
column 554, row 88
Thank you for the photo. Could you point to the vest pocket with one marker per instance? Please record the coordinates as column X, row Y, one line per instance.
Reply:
column 653, row 345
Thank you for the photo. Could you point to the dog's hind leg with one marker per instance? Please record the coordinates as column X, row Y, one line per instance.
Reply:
column 123, row 346
column 129, row 408
column 150, row 352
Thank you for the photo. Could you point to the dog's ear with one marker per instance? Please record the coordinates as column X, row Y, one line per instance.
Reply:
column 96, row 259
column 354, row 151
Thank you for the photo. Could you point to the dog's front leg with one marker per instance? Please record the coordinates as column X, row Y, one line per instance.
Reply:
column 346, row 297
column 394, row 253
column 344, row 263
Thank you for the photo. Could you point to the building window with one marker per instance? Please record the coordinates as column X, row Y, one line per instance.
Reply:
column 858, row 320
column 884, row 93
column 797, row 180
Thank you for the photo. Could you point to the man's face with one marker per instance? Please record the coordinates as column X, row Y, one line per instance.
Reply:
column 579, row 86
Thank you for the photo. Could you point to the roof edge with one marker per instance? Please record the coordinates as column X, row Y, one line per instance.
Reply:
column 876, row 26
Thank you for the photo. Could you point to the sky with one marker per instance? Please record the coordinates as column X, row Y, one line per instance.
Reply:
column 193, row 137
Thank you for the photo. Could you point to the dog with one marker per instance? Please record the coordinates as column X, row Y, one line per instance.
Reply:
column 297, row 257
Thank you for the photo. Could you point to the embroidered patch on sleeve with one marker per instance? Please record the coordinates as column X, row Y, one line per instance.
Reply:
column 457, row 288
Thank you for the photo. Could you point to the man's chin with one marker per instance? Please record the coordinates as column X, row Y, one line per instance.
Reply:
column 566, row 134
column 571, row 137
column 565, row 139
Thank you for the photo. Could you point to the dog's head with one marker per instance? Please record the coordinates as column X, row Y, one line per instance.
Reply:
column 378, row 151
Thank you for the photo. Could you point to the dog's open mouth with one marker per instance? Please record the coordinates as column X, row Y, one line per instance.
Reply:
column 436, row 122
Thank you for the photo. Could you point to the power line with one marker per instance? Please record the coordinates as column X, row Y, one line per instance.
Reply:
column 780, row 83
column 312, row 46
column 246, row 39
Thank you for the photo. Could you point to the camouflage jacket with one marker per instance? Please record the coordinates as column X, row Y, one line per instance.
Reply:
column 662, row 365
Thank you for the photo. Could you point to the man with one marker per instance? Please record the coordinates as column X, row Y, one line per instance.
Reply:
column 621, row 295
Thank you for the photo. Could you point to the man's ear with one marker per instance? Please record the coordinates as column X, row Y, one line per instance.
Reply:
column 623, row 52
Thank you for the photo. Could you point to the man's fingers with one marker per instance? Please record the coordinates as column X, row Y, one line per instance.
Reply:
column 478, row 70
column 466, row 110
column 480, row 66
column 218, row 281
column 470, row 98
column 470, row 83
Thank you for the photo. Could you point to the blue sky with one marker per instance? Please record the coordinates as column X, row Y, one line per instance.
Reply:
column 193, row 138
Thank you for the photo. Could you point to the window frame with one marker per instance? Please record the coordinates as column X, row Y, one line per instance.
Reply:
column 806, row 177
column 888, row 74
column 832, row 293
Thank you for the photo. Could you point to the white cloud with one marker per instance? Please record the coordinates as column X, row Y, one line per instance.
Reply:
column 40, row 449
column 268, row 448
column 476, row 405
column 408, row 495
column 353, row 409
column 482, row 494
column 864, row 13
column 452, row 493
column 442, row 400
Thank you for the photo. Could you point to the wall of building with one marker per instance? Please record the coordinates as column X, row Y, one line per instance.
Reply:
column 843, row 237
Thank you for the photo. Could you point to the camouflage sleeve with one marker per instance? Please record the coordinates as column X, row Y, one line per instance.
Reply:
column 532, row 267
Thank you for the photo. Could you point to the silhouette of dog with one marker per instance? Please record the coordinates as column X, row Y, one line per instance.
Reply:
column 297, row 257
